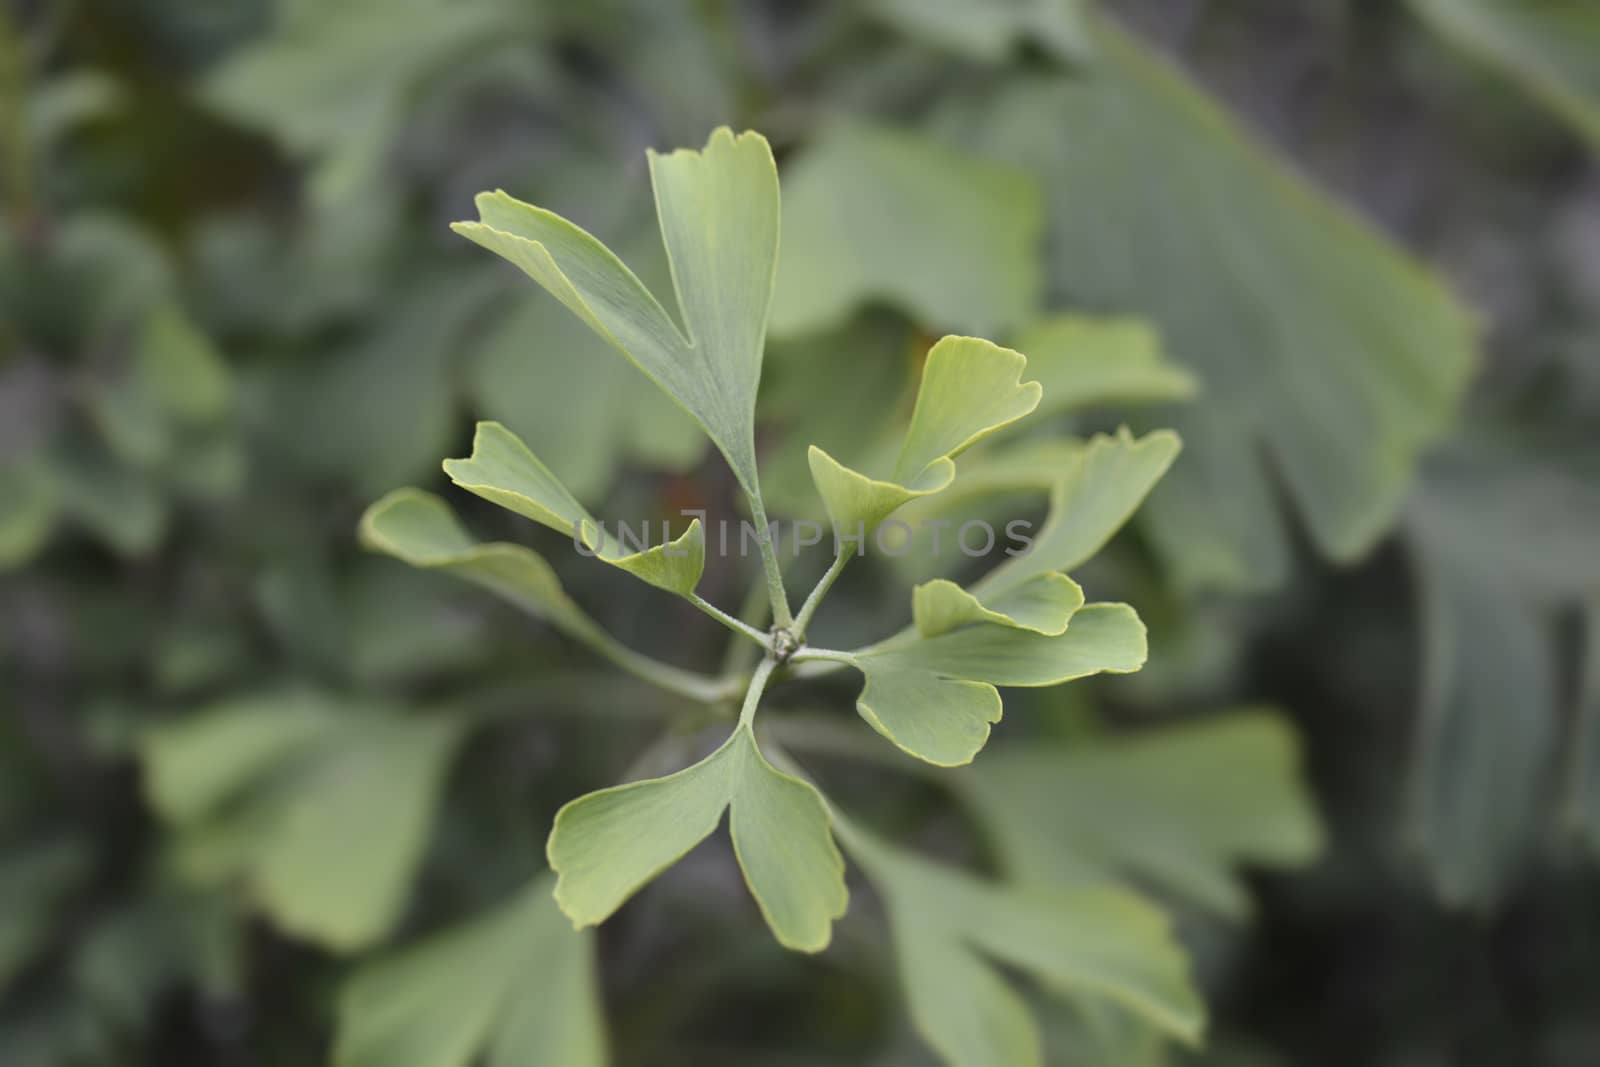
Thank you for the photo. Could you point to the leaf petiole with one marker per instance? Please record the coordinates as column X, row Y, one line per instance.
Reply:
column 814, row 601
column 758, row 685
column 736, row 625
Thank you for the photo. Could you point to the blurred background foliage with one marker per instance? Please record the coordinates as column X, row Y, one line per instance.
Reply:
column 263, row 796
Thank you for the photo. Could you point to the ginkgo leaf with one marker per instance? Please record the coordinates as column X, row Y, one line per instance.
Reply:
column 1043, row 604
column 321, row 808
column 1179, row 808
column 1331, row 357
column 873, row 214
column 719, row 219
column 502, row 469
column 934, row 697
column 953, row 932
column 970, row 388
column 1082, row 361
column 511, row 987
column 1089, row 503
column 607, row 845
column 420, row 529
column 1552, row 48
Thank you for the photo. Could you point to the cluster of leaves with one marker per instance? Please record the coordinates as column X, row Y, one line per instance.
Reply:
column 205, row 373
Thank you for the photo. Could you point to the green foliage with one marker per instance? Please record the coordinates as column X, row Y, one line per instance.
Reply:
column 512, row 986
column 214, row 709
column 1552, row 47
column 321, row 808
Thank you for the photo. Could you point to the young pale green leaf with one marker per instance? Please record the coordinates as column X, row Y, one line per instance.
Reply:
column 420, row 529
column 1551, row 49
column 502, row 469
column 1082, row 361
column 970, row 388
column 718, row 210
column 1089, row 503
column 1177, row 808
column 511, row 987
column 951, row 931
column 934, row 697
column 607, row 845
column 1043, row 604
column 322, row 809
column 873, row 214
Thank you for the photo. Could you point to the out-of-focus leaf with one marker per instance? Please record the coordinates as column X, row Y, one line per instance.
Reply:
column 607, row 845
column 1089, row 502
column 1585, row 798
column 1503, row 540
column 502, row 469
column 951, row 930
column 989, row 30
column 34, row 884
column 1043, row 604
column 322, row 808
column 331, row 82
column 1321, row 344
column 27, row 512
column 1086, row 362
column 872, row 214
column 719, row 220
column 515, row 986
column 418, row 528
column 378, row 413
column 970, row 388
column 122, row 508
column 1550, row 47
column 1176, row 808
column 1487, row 728
column 935, row 698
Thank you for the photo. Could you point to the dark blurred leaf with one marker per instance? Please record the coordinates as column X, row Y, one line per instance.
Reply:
column 511, row 988
column 1550, row 47
column 951, row 929
column 1320, row 344
column 322, row 807
column 1178, row 808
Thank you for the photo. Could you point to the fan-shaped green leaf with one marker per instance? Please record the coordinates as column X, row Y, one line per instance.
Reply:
column 420, row 529
column 935, row 698
column 28, row 510
column 876, row 214
column 1043, row 604
column 719, row 219
column 322, row 808
column 1178, row 808
column 1089, row 503
column 951, row 930
column 502, row 469
column 970, row 388
column 607, row 845
column 511, row 987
